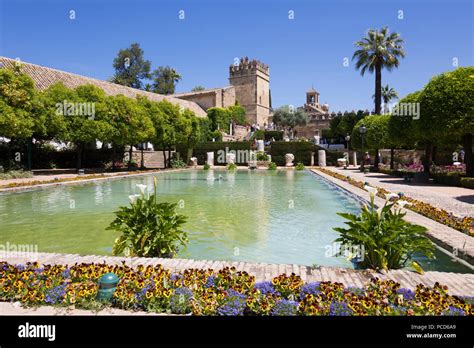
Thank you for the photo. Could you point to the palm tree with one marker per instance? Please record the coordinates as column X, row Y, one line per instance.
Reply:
column 388, row 93
column 376, row 51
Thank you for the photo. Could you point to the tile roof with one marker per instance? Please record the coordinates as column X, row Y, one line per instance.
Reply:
column 45, row 77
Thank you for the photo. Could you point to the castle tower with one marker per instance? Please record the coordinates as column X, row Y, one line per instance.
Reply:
column 251, row 80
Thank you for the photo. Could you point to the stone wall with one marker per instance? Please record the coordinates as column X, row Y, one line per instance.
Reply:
column 153, row 159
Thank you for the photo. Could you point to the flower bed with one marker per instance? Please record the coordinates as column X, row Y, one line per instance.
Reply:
column 463, row 224
column 226, row 292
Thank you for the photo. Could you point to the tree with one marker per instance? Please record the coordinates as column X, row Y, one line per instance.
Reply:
column 342, row 124
column 131, row 67
column 17, row 93
column 198, row 88
column 130, row 121
column 376, row 51
column 404, row 130
column 388, row 94
column 17, row 100
column 73, row 106
column 165, row 79
column 447, row 105
column 377, row 136
column 288, row 118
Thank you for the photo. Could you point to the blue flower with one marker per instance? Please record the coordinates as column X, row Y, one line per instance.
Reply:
column 408, row 294
column 234, row 304
column 339, row 309
column 285, row 308
column 310, row 289
column 211, row 281
column 56, row 294
column 181, row 300
column 174, row 277
column 266, row 287
column 453, row 311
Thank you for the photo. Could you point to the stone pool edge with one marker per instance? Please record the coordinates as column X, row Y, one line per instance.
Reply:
column 446, row 237
column 85, row 180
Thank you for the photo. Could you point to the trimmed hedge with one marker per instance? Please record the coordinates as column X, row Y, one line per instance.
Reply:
column 452, row 179
column 277, row 135
column 200, row 150
column 301, row 151
column 467, row 182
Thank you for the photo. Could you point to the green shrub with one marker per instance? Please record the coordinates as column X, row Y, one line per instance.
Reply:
column 231, row 167
column 206, row 166
column 276, row 135
column 387, row 241
column 272, row 166
column 149, row 229
column 262, row 156
column 467, row 182
column 259, row 135
column 299, row 166
column 177, row 163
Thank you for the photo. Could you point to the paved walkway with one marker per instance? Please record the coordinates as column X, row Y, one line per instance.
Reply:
column 458, row 284
column 458, row 200
column 7, row 308
column 445, row 236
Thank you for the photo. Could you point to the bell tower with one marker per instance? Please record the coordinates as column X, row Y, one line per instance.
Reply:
column 312, row 97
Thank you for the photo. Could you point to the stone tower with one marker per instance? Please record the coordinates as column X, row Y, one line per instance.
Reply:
column 251, row 80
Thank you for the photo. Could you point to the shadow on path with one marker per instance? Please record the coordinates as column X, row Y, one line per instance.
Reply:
column 466, row 199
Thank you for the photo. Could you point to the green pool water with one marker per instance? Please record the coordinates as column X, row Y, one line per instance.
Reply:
column 284, row 216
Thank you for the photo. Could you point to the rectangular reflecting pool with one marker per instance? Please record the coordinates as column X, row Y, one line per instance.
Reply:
column 282, row 216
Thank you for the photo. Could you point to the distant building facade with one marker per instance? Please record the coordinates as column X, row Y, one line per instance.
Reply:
column 249, row 86
column 319, row 116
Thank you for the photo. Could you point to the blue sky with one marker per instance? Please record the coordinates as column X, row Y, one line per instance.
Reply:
column 308, row 50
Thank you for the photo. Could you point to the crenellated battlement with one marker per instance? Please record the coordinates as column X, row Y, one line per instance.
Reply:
column 246, row 66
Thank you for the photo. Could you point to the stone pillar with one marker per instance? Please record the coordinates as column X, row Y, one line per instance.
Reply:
column 210, row 158
column 354, row 158
column 312, row 159
column 260, row 146
column 321, row 158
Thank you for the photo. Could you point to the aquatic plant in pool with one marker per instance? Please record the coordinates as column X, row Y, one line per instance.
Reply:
column 385, row 239
column 149, row 229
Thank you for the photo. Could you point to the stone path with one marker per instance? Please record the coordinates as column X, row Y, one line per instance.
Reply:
column 447, row 237
column 458, row 200
column 458, row 284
